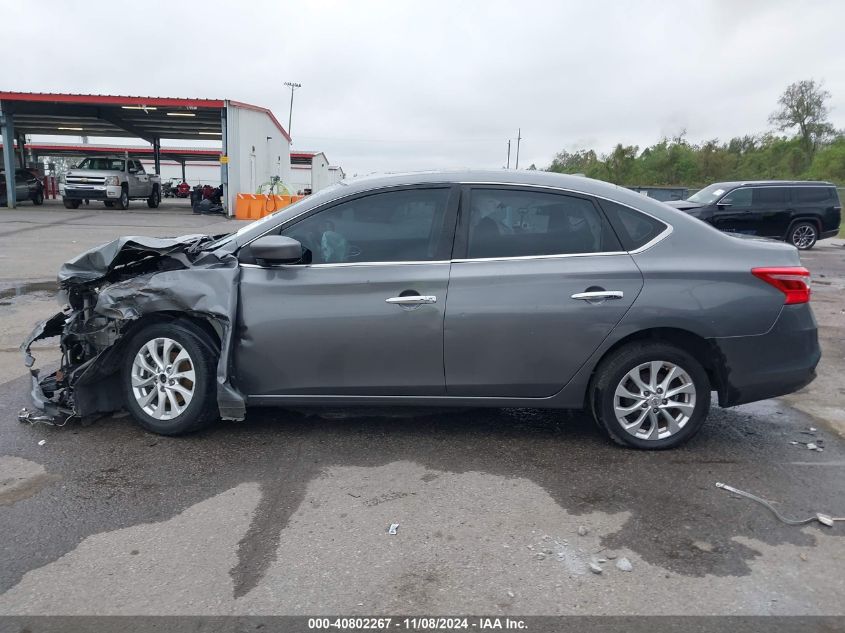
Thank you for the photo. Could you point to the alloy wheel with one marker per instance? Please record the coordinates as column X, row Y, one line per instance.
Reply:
column 803, row 236
column 163, row 378
column 654, row 400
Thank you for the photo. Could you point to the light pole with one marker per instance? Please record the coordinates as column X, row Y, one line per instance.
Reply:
column 293, row 86
column 518, row 139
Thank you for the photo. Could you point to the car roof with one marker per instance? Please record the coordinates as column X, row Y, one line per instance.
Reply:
column 779, row 183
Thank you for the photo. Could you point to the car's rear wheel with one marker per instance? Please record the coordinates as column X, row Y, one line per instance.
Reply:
column 650, row 396
column 168, row 378
column 71, row 204
column 803, row 235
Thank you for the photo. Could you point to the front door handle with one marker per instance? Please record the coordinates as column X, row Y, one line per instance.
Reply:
column 599, row 295
column 412, row 300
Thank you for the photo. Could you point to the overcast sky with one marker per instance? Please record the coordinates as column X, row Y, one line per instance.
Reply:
column 395, row 85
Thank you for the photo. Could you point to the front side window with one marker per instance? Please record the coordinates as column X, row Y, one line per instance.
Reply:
column 771, row 195
column 384, row 227
column 737, row 199
column 510, row 223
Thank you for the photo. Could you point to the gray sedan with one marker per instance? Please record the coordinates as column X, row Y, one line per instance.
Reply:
column 497, row 289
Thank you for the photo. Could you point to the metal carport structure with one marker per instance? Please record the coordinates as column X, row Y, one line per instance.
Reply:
column 148, row 118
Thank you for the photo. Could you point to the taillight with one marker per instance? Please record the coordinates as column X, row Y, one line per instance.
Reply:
column 792, row 281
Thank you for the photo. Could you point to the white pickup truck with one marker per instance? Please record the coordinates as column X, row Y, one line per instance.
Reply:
column 114, row 180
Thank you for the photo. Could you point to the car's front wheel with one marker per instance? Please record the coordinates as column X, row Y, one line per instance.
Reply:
column 155, row 198
column 123, row 200
column 168, row 378
column 650, row 395
column 71, row 204
column 38, row 197
column 803, row 236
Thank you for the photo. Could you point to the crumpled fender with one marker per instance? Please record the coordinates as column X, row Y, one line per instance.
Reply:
column 207, row 291
column 204, row 284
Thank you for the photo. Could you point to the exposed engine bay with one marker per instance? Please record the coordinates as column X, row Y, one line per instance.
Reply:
column 106, row 292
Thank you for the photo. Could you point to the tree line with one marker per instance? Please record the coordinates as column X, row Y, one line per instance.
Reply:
column 805, row 146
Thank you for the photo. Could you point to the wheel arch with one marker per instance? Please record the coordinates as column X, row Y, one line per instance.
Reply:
column 813, row 219
column 705, row 351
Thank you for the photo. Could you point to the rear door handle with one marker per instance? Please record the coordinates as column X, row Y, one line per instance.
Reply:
column 412, row 300
column 599, row 295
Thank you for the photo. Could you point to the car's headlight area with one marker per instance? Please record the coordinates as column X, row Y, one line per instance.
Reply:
column 113, row 180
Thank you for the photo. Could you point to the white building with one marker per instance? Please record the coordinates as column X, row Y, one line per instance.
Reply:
column 311, row 172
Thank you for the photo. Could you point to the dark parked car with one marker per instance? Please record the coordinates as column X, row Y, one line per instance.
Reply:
column 797, row 212
column 497, row 289
column 27, row 187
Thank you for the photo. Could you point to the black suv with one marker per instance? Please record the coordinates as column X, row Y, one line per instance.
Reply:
column 798, row 212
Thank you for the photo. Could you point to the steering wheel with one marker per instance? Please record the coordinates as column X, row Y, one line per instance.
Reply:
column 353, row 251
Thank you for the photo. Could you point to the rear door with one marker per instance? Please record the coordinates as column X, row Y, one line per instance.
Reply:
column 539, row 279
column 775, row 207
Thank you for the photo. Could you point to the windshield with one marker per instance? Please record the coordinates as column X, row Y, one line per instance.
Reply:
column 109, row 164
column 709, row 194
column 324, row 195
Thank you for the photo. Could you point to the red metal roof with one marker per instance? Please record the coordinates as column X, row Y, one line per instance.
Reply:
column 70, row 101
column 57, row 97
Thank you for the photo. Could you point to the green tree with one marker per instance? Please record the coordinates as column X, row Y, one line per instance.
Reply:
column 803, row 106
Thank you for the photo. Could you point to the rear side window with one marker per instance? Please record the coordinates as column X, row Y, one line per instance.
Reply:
column 814, row 194
column 521, row 223
column 770, row 195
column 634, row 229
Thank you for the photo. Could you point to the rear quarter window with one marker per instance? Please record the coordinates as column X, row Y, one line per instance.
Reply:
column 634, row 229
column 814, row 194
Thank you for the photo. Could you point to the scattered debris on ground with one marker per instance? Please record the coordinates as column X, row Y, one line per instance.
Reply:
column 393, row 527
column 623, row 564
column 583, row 530
column 816, row 444
column 42, row 442
column 824, row 519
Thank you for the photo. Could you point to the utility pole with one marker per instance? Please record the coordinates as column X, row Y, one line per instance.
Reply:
column 293, row 86
column 518, row 139
column 509, row 155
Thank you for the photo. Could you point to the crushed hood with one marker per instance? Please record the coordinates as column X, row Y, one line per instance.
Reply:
column 99, row 261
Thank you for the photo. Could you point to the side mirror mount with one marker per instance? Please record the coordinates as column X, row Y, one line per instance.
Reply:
column 276, row 249
column 723, row 205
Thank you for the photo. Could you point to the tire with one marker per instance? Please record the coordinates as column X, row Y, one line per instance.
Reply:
column 614, row 373
column 38, row 197
column 155, row 198
column 170, row 403
column 122, row 202
column 803, row 235
column 109, row 204
column 71, row 204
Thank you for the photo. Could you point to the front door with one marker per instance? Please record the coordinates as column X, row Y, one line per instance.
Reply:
column 735, row 213
column 363, row 313
column 540, row 282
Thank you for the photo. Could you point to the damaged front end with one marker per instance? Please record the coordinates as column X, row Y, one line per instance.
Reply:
column 108, row 292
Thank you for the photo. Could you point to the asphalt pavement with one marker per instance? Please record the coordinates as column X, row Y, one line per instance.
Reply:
column 498, row 511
